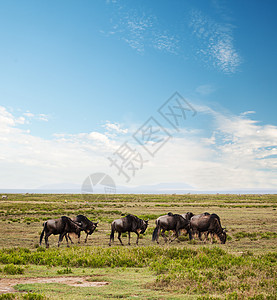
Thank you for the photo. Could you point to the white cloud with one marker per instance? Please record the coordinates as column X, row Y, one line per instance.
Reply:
column 166, row 42
column 43, row 117
column 6, row 118
column 213, row 41
column 248, row 113
column 29, row 114
column 29, row 161
column 235, row 152
column 216, row 42
column 40, row 117
column 141, row 30
column 238, row 153
column 99, row 137
column 115, row 127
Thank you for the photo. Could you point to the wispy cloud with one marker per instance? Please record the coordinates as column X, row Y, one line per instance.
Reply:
column 248, row 113
column 205, row 89
column 166, row 42
column 115, row 127
column 215, row 42
column 141, row 30
column 41, row 117
column 234, row 152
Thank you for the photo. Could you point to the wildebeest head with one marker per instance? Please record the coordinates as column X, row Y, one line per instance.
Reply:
column 223, row 236
column 144, row 225
column 91, row 229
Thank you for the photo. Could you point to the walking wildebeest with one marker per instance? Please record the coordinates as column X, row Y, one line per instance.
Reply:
column 61, row 226
column 168, row 222
column 128, row 224
column 209, row 223
column 86, row 225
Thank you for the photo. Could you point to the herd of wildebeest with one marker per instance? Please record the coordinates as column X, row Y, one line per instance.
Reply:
column 207, row 224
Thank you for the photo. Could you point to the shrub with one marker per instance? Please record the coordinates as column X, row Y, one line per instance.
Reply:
column 33, row 296
column 7, row 296
column 65, row 271
column 11, row 269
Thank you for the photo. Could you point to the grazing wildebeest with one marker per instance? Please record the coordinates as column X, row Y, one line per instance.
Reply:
column 128, row 224
column 194, row 231
column 61, row 226
column 168, row 222
column 209, row 224
column 86, row 225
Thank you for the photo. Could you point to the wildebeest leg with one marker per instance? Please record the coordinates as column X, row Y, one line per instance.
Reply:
column 158, row 234
column 119, row 235
column 171, row 234
column 46, row 240
column 61, row 239
column 212, row 236
column 193, row 232
column 199, row 235
column 137, row 237
column 189, row 233
column 111, row 236
column 70, row 238
column 86, row 238
column 129, row 238
column 66, row 240
column 163, row 235
column 206, row 233
column 177, row 232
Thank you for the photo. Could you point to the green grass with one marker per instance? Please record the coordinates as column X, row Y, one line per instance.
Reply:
column 244, row 268
column 178, row 270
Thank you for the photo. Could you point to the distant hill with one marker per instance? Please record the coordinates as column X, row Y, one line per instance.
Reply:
column 160, row 188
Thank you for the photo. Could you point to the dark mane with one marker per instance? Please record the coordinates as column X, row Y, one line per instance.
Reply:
column 84, row 219
column 131, row 217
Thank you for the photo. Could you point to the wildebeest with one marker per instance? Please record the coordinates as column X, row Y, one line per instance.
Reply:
column 128, row 224
column 86, row 225
column 168, row 222
column 61, row 226
column 187, row 215
column 208, row 223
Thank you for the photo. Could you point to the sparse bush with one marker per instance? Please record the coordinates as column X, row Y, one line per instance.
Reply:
column 7, row 296
column 33, row 296
column 65, row 271
column 11, row 269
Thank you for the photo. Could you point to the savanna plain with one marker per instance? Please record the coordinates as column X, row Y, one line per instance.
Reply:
column 243, row 268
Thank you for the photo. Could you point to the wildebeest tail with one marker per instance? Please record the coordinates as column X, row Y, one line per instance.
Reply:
column 155, row 233
column 42, row 234
column 112, row 233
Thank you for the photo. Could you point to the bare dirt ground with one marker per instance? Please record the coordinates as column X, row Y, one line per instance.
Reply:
column 7, row 284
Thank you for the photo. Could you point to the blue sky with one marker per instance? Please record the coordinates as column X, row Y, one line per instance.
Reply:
column 79, row 78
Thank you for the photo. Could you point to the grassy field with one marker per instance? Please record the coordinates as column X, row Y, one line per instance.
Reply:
column 244, row 268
